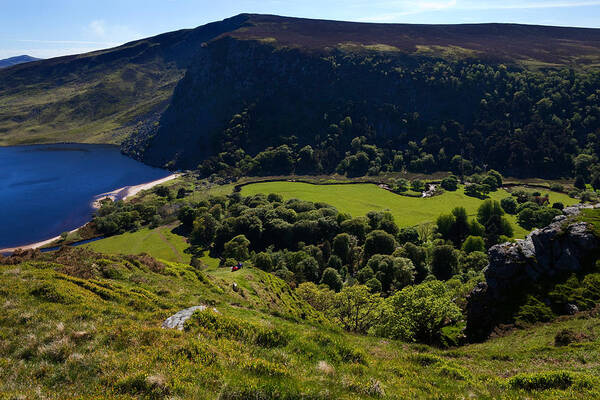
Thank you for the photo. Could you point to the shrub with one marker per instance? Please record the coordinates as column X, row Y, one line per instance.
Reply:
column 542, row 381
column 557, row 187
column 558, row 206
column 564, row 337
column 534, row 311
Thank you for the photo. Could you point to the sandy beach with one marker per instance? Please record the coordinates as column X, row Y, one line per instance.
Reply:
column 118, row 194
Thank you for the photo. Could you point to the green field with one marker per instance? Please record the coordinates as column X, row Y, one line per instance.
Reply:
column 359, row 199
column 159, row 243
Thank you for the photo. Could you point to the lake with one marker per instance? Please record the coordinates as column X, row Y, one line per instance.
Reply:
column 48, row 189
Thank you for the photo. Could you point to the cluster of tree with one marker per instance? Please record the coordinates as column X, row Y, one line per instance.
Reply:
column 532, row 209
column 522, row 123
column 302, row 241
column 116, row 217
column 488, row 229
column 481, row 185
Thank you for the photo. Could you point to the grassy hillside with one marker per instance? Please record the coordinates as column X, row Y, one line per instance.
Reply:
column 98, row 97
column 95, row 332
column 359, row 199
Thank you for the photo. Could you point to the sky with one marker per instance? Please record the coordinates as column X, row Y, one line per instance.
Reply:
column 50, row 28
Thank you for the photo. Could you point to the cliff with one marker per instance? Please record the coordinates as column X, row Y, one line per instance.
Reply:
column 547, row 256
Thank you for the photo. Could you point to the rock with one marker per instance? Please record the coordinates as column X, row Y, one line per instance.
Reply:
column 177, row 321
column 545, row 254
column 235, row 287
column 571, row 309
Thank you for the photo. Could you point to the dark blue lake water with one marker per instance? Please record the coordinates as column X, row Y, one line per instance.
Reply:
column 48, row 189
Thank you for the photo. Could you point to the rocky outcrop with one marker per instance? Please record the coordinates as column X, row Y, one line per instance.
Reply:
column 546, row 255
column 177, row 321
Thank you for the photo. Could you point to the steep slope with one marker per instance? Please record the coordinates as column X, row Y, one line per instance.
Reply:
column 279, row 81
column 101, row 96
column 9, row 62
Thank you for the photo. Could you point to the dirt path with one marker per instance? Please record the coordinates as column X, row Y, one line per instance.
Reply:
column 173, row 249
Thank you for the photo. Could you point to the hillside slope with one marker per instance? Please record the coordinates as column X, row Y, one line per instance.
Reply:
column 96, row 333
column 98, row 97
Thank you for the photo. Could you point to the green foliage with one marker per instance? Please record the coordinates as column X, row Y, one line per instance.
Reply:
column 444, row 262
column 542, row 381
column 534, row 311
column 332, row 279
column 487, row 210
column 509, row 205
column 450, row 183
column 356, row 308
column 379, row 242
column 237, row 248
column 473, row 243
column 404, row 317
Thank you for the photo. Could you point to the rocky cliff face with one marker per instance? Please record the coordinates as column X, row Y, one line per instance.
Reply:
column 547, row 255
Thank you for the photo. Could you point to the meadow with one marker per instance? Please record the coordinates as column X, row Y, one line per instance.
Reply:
column 359, row 199
column 159, row 242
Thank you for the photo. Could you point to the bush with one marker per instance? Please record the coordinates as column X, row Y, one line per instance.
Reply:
column 542, row 381
column 564, row 337
column 534, row 311
column 558, row 206
column 557, row 187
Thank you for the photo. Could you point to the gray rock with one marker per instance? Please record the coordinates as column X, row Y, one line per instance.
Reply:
column 513, row 268
column 571, row 309
column 177, row 321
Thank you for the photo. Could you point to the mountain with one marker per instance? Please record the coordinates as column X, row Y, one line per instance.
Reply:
column 9, row 62
column 251, row 82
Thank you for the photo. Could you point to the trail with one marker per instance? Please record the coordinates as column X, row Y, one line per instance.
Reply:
column 171, row 246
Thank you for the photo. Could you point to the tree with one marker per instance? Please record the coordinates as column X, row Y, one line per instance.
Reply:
column 488, row 209
column 393, row 272
column 357, row 227
column 497, row 176
column 379, row 242
column 332, row 279
column 509, row 205
column 342, row 245
column 418, row 313
column 204, row 230
column 579, row 182
column 445, row 222
column 444, row 262
column 320, row 299
column 356, row 308
column 263, row 261
column 473, row 243
column 450, row 183
column 237, row 248
column 475, row 261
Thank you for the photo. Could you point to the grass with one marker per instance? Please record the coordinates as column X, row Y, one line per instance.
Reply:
column 359, row 199
column 160, row 243
column 95, row 333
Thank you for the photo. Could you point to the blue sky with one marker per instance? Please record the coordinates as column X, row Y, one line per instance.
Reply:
column 48, row 28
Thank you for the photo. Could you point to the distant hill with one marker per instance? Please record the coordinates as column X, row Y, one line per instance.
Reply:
column 9, row 62
column 254, row 81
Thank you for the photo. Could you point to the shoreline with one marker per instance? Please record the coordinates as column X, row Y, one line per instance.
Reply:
column 115, row 195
